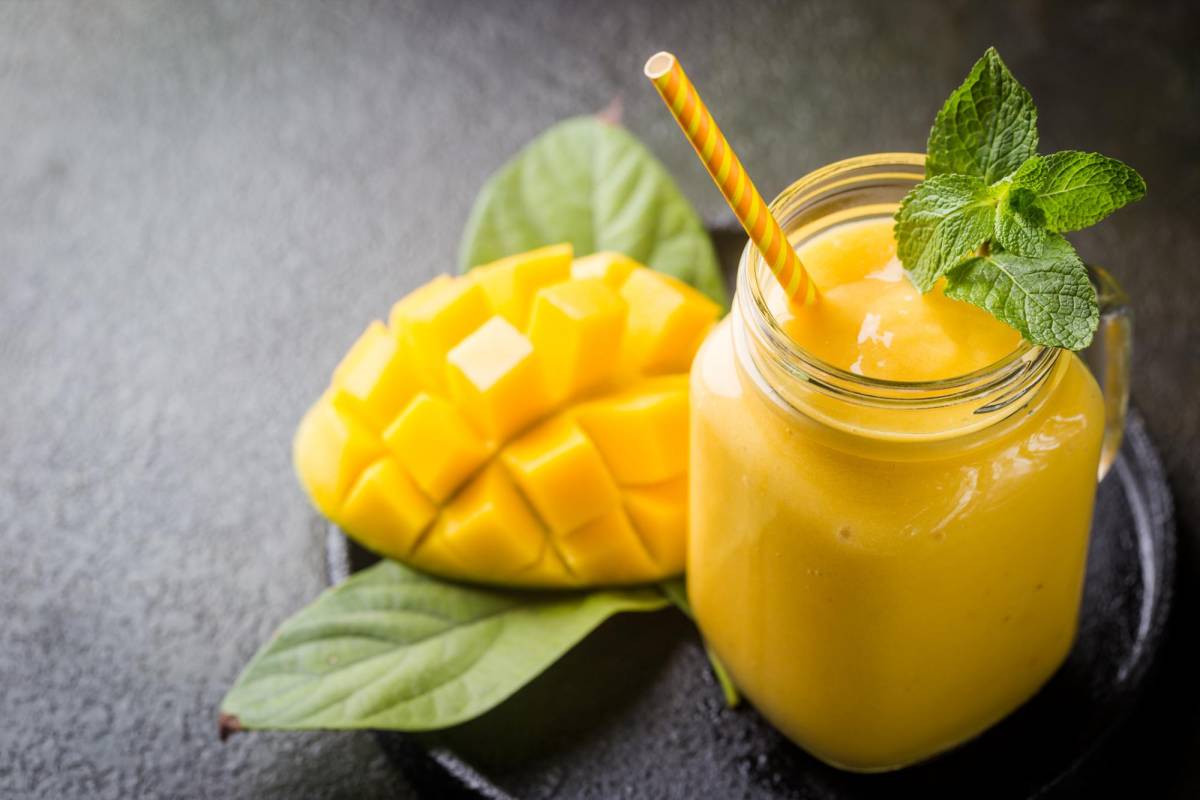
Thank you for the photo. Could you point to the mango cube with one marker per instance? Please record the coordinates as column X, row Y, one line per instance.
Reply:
column 437, row 317
column 496, row 380
column 360, row 351
column 659, row 515
column 576, row 330
column 561, row 472
column 549, row 570
column 331, row 449
column 436, row 445
column 612, row 268
column 667, row 321
column 524, row 425
column 511, row 283
column 607, row 550
column 377, row 373
column 434, row 554
column 490, row 526
column 386, row 511
column 642, row 433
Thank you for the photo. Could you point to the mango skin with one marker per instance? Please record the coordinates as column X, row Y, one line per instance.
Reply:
column 522, row 425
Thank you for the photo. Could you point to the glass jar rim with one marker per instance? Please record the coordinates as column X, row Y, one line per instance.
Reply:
column 1025, row 361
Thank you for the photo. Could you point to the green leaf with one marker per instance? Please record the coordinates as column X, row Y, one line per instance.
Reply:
column 988, row 126
column 593, row 184
column 1020, row 222
column 395, row 648
column 988, row 191
column 676, row 592
column 1077, row 189
column 728, row 690
column 1048, row 298
column 940, row 221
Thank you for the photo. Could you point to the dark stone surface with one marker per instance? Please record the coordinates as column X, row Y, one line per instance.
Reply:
column 201, row 203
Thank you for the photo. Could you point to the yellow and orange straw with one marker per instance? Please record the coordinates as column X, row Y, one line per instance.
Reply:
column 726, row 170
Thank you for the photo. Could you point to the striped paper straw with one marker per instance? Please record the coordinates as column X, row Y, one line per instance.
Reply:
column 726, row 170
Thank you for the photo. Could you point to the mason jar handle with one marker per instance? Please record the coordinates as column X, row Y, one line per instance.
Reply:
column 1109, row 358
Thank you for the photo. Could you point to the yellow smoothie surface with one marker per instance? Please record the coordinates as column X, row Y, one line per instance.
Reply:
column 872, row 321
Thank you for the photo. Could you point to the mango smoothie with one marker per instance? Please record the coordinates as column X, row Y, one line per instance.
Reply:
column 887, row 540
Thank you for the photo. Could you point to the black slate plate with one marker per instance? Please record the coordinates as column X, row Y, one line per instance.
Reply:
column 633, row 711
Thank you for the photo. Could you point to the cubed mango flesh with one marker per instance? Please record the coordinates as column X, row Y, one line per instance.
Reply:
column 436, row 445
column 490, row 522
column 561, row 472
column 659, row 515
column 331, row 449
column 495, row 378
column 667, row 321
column 376, row 372
column 522, row 425
column 612, row 268
column 386, row 510
column 642, row 432
column 607, row 550
column 435, row 318
column 511, row 283
column 576, row 328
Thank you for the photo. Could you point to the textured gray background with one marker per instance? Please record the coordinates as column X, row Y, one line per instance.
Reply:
column 201, row 203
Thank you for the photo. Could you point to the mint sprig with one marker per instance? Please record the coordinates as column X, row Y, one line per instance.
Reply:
column 989, row 214
column 945, row 219
column 1047, row 297
column 1077, row 190
column 987, row 127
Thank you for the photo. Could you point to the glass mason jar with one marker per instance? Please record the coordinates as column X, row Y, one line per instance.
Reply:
column 888, row 568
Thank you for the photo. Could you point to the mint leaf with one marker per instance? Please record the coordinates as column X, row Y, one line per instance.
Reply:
column 988, row 190
column 1048, row 298
column 942, row 219
column 1020, row 222
column 988, row 126
column 594, row 185
column 394, row 648
column 1077, row 189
